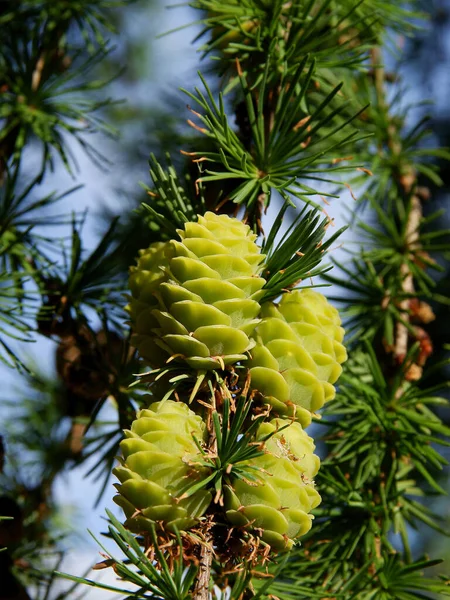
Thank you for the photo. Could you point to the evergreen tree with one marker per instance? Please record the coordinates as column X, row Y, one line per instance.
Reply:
column 225, row 351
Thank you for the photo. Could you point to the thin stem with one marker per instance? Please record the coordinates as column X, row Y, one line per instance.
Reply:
column 201, row 591
column 377, row 64
column 412, row 240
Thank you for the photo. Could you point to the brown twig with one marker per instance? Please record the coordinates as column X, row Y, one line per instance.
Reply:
column 201, row 591
column 412, row 241
column 378, row 74
column 37, row 73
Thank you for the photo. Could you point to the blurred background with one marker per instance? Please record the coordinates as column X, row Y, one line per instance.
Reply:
column 149, row 115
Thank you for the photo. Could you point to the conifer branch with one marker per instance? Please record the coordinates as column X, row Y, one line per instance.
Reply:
column 406, row 181
column 47, row 52
column 412, row 243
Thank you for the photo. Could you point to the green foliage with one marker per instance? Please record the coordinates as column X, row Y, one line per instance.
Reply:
column 13, row 316
column 233, row 447
column 287, row 144
column 171, row 205
column 298, row 254
column 22, row 257
column 168, row 582
column 338, row 34
column 47, row 92
column 394, row 418
column 396, row 149
column 392, row 581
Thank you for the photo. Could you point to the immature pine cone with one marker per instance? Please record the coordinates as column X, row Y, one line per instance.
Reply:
column 160, row 459
column 145, row 279
column 298, row 354
column 278, row 506
column 199, row 300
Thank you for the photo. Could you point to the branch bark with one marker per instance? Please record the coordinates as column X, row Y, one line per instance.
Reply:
column 201, row 591
column 412, row 241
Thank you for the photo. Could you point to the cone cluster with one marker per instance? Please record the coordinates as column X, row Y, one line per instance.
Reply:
column 195, row 303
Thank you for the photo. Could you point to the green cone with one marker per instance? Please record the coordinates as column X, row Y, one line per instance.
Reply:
column 277, row 507
column 298, row 354
column 159, row 463
column 144, row 281
column 204, row 306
